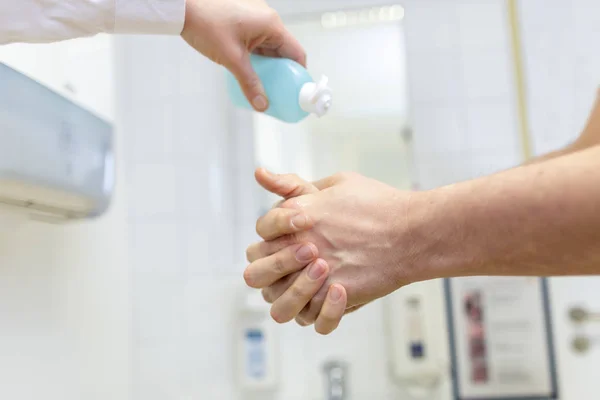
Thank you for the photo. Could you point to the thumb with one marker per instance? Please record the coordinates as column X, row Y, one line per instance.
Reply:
column 249, row 82
column 286, row 186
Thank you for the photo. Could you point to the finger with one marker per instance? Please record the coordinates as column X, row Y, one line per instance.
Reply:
column 333, row 310
column 286, row 186
column 282, row 221
column 263, row 249
column 311, row 311
column 273, row 292
column 241, row 67
column 292, row 49
column 266, row 271
column 299, row 294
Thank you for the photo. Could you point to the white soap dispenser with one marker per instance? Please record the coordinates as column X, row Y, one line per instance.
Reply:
column 257, row 348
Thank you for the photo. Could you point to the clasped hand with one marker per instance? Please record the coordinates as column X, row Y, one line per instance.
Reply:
column 329, row 247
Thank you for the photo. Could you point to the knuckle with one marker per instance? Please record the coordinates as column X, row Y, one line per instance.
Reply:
column 291, row 203
column 348, row 175
column 340, row 176
column 279, row 265
column 273, row 17
column 298, row 291
column 283, row 221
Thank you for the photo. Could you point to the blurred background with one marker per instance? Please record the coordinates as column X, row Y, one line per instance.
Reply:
column 148, row 302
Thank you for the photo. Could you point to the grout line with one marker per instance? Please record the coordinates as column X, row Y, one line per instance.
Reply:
column 521, row 93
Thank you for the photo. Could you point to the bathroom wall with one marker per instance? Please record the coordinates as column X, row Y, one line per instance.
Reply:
column 192, row 206
column 64, row 290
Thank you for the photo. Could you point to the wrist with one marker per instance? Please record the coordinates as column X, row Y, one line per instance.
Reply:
column 433, row 234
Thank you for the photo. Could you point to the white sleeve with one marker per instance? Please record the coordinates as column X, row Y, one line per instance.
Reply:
column 39, row 21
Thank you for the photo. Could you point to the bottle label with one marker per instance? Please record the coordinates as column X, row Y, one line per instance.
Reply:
column 255, row 354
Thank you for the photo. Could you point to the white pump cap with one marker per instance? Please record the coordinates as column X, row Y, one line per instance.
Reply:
column 316, row 98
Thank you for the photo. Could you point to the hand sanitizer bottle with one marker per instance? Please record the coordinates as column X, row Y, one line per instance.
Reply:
column 292, row 93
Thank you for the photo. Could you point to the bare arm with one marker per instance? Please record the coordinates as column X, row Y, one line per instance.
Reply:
column 541, row 219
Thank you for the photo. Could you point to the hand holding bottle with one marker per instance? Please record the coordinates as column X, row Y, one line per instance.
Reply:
column 228, row 31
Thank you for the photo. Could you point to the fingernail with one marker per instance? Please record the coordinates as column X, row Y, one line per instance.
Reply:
column 299, row 221
column 316, row 271
column 305, row 254
column 260, row 102
column 335, row 294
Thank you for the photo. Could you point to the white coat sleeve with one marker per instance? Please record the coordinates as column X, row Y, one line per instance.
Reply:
column 40, row 21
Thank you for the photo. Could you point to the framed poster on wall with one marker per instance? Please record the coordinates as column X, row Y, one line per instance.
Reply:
column 501, row 339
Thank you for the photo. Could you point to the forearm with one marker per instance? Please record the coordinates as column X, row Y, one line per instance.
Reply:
column 536, row 220
column 39, row 21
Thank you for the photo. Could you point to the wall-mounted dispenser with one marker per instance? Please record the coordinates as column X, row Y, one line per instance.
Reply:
column 257, row 349
column 56, row 157
column 416, row 336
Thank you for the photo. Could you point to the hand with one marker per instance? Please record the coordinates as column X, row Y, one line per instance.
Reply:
column 227, row 31
column 358, row 226
column 307, row 272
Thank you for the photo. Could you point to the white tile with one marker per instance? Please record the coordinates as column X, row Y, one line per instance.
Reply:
column 152, row 190
column 157, row 372
column 210, row 309
column 203, row 188
column 484, row 164
column 439, row 128
column 435, row 77
column 439, row 169
column 156, row 250
column 431, row 26
column 482, row 24
column 199, row 124
column 487, row 74
column 209, row 249
column 150, row 137
column 193, row 189
column 158, row 309
column 492, row 126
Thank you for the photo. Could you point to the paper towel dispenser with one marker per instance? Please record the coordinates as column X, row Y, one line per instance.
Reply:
column 56, row 157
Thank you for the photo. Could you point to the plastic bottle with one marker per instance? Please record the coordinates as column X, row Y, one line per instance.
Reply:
column 293, row 94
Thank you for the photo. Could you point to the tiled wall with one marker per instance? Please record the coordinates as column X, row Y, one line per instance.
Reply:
column 181, row 213
column 185, row 184
column 461, row 89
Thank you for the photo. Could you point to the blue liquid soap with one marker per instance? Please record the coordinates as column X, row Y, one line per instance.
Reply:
column 293, row 94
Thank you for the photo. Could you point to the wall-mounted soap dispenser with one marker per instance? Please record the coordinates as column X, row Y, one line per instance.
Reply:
column 257, row 348
column 416, row 335
column 56, row 157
